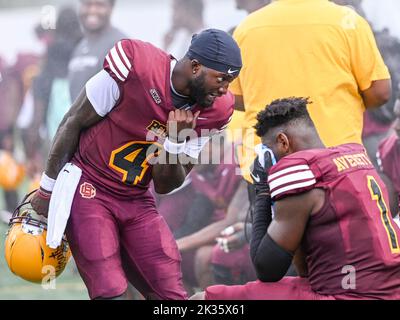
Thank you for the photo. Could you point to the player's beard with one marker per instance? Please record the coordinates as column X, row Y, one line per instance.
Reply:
column 198, row 91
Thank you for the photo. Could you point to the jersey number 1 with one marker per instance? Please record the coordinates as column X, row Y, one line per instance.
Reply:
column 132, row 160
column 376, row 194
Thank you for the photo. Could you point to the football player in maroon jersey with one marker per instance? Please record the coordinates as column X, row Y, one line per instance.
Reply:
column 136, row 110
column 331, row 218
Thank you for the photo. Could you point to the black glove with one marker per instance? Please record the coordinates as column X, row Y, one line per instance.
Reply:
column 259, row 171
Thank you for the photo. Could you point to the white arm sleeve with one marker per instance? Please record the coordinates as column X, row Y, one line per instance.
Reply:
column 193, row 147
column 103, row 92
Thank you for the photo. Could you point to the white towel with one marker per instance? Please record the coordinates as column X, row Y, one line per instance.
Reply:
column 61, row 202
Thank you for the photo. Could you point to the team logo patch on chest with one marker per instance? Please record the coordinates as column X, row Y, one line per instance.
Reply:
column 87, row 190
column 155, row 96
column 158, row 129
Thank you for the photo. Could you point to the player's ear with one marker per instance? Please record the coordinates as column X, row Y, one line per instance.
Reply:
column 283, row 144
column 196, row 66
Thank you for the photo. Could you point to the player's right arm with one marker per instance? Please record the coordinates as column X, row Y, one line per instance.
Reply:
column 285, row 233
column 81, row 116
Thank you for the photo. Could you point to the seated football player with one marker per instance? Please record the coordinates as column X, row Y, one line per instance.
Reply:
column 389, row 162
column 330, row 218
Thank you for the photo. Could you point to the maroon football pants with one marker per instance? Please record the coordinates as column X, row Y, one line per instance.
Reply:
column 114, row 241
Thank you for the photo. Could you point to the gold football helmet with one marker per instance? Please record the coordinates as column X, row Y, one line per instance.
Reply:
column 26, row 251
column 11, row 173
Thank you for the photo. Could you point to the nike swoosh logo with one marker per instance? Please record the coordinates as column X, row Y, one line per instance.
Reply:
column 232, row 71
column 256, row 178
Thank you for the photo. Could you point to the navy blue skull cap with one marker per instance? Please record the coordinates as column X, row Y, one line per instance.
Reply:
column 216, row 49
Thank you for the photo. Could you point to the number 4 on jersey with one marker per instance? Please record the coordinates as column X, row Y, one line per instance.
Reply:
column 132, row 160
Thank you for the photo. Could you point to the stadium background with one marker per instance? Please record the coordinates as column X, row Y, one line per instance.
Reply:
column 146, row 20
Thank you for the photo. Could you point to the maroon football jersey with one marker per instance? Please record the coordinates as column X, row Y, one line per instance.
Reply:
column 114, row 152
column 354, row 228
column 389, row 155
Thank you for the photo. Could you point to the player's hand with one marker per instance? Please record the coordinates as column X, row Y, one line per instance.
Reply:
column 179, row 120
column 40, row 202
column 232, row 238
column 259, row 171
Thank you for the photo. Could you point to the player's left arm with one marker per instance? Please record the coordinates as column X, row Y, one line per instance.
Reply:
column 277, row 248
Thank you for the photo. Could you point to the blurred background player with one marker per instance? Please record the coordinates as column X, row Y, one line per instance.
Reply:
column 71, row 59
column 249, row 6
column 99, row 37
column 324, row 240
column 187, row 19
column 52, row 94
column 15, row 84
column 230, row 259
column 51, row 97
